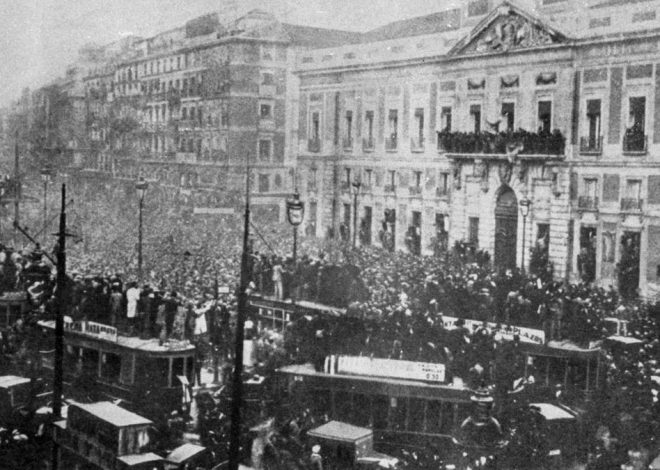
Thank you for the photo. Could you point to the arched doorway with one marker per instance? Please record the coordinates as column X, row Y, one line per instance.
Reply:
column 506, row 229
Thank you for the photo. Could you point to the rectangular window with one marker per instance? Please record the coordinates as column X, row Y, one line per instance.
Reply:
column 508, row 115
column 265, row 111
column 316, row 123
column 349, row 128
column 545, row 116
column 393, row 128
column 264, row 186
column 418, row 179
column 590, row 191
column 368, row 175
column 419, row 127
column 392, row 177
column 264, row 149
column 445, row 119
column 267, row 78
column 443, row 186
column 347, row 176
column 593, row 122
column 473, row 231
column 637, row 114
column 475, row 116
column 369, row 121
column 634, row 189
column 192, row 114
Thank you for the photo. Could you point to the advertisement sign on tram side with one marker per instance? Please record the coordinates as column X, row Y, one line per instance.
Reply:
column 386, row 368
column 90, row 328
column 526, row 335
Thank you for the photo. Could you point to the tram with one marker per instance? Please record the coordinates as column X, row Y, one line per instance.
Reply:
column 275, row 314
column 140, row 372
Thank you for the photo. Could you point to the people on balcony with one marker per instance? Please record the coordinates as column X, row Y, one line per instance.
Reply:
column 534, row 143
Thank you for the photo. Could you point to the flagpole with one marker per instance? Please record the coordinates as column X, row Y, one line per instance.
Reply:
column 237, row 389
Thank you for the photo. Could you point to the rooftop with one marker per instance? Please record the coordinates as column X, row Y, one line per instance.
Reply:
column 339, row 431
column 8, row 381
column 184, row 452
column 113, row 414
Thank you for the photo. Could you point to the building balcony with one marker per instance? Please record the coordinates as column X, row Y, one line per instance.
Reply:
column 390, row 188
column 631, row 204
column 529, row 143
column 417, row 144
column 314, row 145
column 391, row 143
column 347, row 143
column 415, row 190
column 634, row 143
column 592, row 145
column 368, row 144
column 588, row 203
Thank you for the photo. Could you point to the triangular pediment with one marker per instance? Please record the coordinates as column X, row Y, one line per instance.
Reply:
column 508, row 28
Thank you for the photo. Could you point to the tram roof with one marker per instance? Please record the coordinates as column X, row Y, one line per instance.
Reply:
column 340, row 431
column 184, row 452
column 130, row 342
column 113, row 414
column 8, row 381
column 137, row 459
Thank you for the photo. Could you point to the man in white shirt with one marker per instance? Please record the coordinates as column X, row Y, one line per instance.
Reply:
column 132, row 297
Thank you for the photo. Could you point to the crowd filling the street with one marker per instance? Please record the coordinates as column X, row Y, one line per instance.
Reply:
column 452, row 309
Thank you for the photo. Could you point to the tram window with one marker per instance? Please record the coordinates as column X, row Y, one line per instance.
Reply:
column 190, row 368
column 577, row 374
column 362, row 406
column 447, row 417
column 344, row 406
column 110, row 366
column 399, row 411
column 381, row 405
column 152, row 372
column 177, row 369
column 90, row 360
column 416, row 415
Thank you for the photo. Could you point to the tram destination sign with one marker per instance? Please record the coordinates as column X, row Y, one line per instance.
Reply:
column 90, row 328
column 508, row 332
column 386, row 368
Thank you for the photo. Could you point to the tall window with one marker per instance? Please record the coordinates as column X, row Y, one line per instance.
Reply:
column 419, row 127
column 633, row 190
column 443, row 185
column 637, row 114
column 417, row 175
column 445, row 119
column 347, row 176
column 593, row 122
column 368, row 175
column 316, row 123
column 265, row 111
column 349, row 128
column 508, row 113
column 545, row 116
column 475, row 116
column 393, row 127
column 264, row 149
column 264, row 184
column 267, row 78
column 369, row 124
column 473, row 231
column 392, row 178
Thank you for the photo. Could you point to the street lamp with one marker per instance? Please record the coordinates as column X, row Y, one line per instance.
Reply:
column 45, row 177
column 141, row 186
column 524, row 211
column 355, row 188
column 295, row 210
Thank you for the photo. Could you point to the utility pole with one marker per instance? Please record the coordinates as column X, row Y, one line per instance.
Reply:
column 60, row 304
column 237, row 389
column 17, row 184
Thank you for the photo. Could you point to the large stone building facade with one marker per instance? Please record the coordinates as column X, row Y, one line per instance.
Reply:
column 508, row 127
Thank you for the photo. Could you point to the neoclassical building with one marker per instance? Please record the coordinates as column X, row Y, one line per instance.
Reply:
column 504, row 125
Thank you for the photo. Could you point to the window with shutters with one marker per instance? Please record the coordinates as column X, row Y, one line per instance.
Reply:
column 589, row 197
column 265, row 149
column 632, row 198
column 634, row 139
column 393, row 129
column 264, row 183
column 508, row 116
column 593, row 141
column 445, row 119
column 475, row 117
column 417, row 141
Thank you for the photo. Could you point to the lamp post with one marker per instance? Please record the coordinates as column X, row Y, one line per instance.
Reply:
column 356, row 185
column 524, row 211
column 45, row 178
column 295, row 210
column 141, row 186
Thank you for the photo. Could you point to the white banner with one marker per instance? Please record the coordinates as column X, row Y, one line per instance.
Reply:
column 390, row 368
column 527, row 335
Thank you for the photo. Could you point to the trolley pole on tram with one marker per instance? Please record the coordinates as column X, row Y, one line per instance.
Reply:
column 59, row 320
column 237, row 385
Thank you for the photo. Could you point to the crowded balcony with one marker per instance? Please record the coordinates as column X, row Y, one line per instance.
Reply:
column 635, row 142
column 314, row 145
column 538, row 144
column 368, row 144
column 592, row 145
column 588, row 203
column 633, row 204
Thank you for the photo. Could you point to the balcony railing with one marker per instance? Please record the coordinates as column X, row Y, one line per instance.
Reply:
column 314, row 145
column 368, row 144
column 347, row 143
column 634, row 143
column 415, row 190
column 631, row 204
column 390, row 188
column 592, row 145
column 532, row 143
column 391, row 143
column 417, row 144
column 588, row 203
